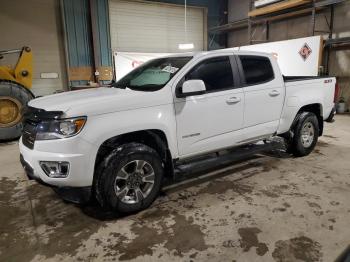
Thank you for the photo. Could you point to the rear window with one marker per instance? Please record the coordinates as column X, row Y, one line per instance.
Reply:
column 257, row 69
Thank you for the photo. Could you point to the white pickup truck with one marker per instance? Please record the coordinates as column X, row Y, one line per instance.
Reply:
column 118, row 143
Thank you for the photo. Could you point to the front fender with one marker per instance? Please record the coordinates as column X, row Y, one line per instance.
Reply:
column 100, row 128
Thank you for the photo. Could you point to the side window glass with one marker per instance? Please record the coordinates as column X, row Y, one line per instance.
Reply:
column 257, row 69
column 215, row 72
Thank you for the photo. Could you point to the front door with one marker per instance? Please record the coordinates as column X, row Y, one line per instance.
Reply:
column 208, row 121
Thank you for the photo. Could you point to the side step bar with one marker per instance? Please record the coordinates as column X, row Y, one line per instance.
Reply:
column 187, row 169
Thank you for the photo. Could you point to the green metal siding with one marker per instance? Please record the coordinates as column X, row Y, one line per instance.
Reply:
column 104, row 33
column 79, row 33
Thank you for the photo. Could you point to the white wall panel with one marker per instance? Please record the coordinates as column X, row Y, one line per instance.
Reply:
column 154, row 27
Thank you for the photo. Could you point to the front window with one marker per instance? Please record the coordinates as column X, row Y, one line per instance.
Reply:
column 153, row 75
column 215, row 72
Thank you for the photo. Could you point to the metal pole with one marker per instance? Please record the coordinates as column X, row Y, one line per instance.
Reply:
column 66, row 50
column 13, row 51
column 95, row 40
column 250, row 24
column 331, row 23
column 330, row 36
column 185, row 21
column 313, row 19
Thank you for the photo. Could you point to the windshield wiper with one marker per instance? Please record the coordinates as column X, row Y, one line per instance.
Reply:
column 146, row 88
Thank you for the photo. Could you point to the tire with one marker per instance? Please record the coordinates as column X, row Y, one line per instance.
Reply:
column 306, row 134
column 18, row 96
column 112, row 182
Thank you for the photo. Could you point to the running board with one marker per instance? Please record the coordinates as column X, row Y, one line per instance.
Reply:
column 184, row 170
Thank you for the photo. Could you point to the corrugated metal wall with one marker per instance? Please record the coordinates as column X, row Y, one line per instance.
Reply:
column 80, row 43
column 216, row 17
column 155, row 27
column 78, row 35
column 104, row 32
column 80, row 40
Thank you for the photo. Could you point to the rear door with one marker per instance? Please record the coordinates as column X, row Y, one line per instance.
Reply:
column 264, row 95
column 209, row 121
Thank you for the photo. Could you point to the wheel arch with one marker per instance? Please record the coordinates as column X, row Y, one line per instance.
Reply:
column 153, row 138
column 315, row 108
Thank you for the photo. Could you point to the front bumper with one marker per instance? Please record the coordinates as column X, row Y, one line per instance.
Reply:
column 76, row 187
column 78, row 195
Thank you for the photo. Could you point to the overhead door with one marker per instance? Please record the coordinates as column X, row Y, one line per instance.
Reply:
column 155, row 27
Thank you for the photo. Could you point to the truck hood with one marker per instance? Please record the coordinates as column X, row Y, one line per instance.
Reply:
column 97, row 101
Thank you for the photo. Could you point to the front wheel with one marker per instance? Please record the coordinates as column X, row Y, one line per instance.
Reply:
column 129, row 178
column 306, row 134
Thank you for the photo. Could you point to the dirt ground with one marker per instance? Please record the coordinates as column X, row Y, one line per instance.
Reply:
column 271, row 208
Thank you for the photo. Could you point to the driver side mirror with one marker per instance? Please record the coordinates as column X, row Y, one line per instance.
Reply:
column 191, row 88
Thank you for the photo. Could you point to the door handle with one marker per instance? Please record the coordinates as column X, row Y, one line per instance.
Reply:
column 233, row 100
column 274, row 93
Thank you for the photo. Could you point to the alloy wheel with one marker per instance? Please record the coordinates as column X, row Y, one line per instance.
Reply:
column 134, row 181
column 307, row 134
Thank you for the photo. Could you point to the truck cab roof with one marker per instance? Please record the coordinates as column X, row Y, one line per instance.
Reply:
column 235, row 51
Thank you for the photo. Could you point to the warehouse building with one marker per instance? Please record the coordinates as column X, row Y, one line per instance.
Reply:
column 330, row 19
column 76, row 38
column 227, row 155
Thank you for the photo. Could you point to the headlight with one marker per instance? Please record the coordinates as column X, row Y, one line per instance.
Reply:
column 56, row 129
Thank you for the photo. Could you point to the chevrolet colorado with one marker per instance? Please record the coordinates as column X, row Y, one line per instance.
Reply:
column 116, row 144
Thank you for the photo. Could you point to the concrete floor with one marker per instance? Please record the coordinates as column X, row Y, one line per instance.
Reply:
column 266, row 209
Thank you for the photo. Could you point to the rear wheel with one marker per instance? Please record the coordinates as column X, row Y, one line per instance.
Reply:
column 306, row 134
column 13, row 97
column 129, row 178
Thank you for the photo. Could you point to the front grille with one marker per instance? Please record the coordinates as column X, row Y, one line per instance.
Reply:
column 31, row 119
column 29, row 133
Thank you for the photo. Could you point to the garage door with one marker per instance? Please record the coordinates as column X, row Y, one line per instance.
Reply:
column 154, row 27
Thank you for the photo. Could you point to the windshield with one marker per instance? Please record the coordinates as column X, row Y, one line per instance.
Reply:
column 153, row 75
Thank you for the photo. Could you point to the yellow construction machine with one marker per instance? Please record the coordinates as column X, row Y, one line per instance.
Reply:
column 15, row 84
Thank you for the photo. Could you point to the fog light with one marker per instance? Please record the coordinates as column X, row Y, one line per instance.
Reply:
column 55, row 169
